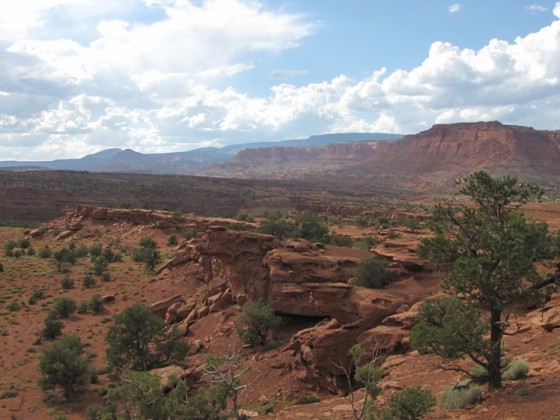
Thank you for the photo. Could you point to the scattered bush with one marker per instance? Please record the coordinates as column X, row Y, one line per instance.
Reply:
column 96, row 304
column 341, row 240
column 52, row 328
column 67, row 283
column 95, row 250
column 254, row 322
column 1, row 268
column 189, row 233
column 83, row 307
column 35, row 296
column 517, row 369
column 9, row 393
column 373, row 274
column 45, row 252
column 362, row 221
column 30, row 251
column 366, row 242
column 88, row 281
column 307, row 400
column 9, row 247
column 24, row 243
column 147, row 253
column 13, row 306
column 63, row 307
column 521, row 392
column 61, row 365
column 105, row 276
column 138, row 340
column 172, row 240
column 455, row 397
column 411, row 403
column 312, row 227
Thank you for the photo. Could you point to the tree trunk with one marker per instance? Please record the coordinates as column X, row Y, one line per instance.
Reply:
column 494, row 361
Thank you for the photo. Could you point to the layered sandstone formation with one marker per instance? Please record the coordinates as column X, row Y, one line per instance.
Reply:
column 299, row 279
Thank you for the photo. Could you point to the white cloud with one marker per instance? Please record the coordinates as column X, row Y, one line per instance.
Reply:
column 161, row 85
column 556, row 10
column 536, row 8
column 454, row 8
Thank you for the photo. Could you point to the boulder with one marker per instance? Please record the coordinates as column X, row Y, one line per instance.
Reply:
column 160, row 308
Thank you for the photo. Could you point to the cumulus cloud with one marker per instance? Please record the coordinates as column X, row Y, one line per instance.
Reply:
column 556, row 10
column 454, row 8
column 157, row 79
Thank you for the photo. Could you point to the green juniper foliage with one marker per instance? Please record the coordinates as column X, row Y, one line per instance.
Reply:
column 492, row 252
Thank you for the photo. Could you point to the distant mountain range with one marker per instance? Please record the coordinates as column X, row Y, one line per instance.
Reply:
column 184, row 163
column 429, row 161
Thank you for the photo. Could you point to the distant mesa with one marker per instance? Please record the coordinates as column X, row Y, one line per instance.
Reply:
column 425, row 162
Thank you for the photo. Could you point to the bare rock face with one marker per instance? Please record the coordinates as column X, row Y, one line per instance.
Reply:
column 296, row 278
column 548, row 317
column 401, row 252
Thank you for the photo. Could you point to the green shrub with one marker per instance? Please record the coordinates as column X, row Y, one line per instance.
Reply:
column 366, row 242
column 517, row 369
column 62, row 365
column 254, row 322
column 411, row 403
column 45, row 252
column 67, row 283
column 83, row 307
column 95, row 250
column 88, row 281
column 53, row 327
column 312, row 227
column 307, row 400
column 96, row 304
column 24, row 243
column 9, row 247
column 138, row 340
column 35, row 296
column 30, row 251
column 189, row 233
column 454, row 397
column 82, row 251
column 373, row 274
column 521, row 392
column 14, row 306
column 341, row 240
column 362, row 221
column 63, row 307
column 105, row 276
column 1, row 268
column 243, row 217
column 172, row 240
column 9, row 393
column 96, row 412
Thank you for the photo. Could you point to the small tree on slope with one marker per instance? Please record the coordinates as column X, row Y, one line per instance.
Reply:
column 493, row 250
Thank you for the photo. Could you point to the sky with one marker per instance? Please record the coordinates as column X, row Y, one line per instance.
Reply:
column 157, row 76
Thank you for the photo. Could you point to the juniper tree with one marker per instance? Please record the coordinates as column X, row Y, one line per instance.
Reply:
column 492, row 251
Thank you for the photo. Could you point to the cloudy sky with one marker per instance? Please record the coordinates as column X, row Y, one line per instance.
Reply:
column 79, row 76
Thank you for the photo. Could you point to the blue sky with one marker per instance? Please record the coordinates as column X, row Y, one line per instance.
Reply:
column 79, row 76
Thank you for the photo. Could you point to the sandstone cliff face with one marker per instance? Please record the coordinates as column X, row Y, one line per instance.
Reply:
column 466, row 147
column 290, row 162
column 429, row 160
column 296, row 278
